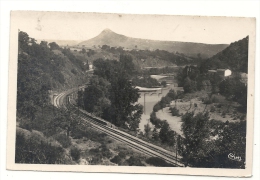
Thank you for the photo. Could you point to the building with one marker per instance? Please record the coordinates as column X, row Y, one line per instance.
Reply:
column 224, row 72
column 221, row 72
column 90, row 66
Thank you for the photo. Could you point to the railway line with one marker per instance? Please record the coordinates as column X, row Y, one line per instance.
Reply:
column 62, row 101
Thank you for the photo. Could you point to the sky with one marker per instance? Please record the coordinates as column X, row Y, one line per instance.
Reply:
column 84, row 26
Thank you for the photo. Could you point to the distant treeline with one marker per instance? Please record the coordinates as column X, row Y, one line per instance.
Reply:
column 157, row 71
column 145, row 81
column 174, row 58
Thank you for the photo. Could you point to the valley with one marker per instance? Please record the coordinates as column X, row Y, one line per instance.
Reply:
column 114, row 100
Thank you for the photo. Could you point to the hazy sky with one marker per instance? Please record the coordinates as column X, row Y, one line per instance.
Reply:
column 83, row 26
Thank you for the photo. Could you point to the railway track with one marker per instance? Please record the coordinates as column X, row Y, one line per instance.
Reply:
column 61, row 101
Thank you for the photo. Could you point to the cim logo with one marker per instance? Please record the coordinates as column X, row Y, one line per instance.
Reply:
column 234, row 157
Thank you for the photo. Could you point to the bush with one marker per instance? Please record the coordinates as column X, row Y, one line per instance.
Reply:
column 26, row 124
column 105, row 152
column 74, row 71
column 117, row 160
column 214, row 99
column 32, row 151
column 133, row 161
column 163, row 83
column 155, row 161
column 96, row 159
column 174, row 111
column 155, row 121
column 207, row 101
column 212, row 109
column 219, row 105
column 102, row 151
column 242, row 117
column 75, row 153
column 122, row 154
column 146, row 81
column 157, row 107
column 63, row 139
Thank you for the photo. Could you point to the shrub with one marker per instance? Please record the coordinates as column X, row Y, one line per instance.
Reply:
column 32, row 151
column 174, row 111
column 102, row 151
column 122, row 154
column 133, row 161
column 155, row 121
column 163, row 83
column 223, row 114
column 74, row 71
column 105, row 151
column 75, row 153
column 96, row 159
column 63, row 139
column 157, row 107
column 242, row 117
column 117, row 160
column 219, row 105
column 26, row 124
column 207, row 101
column 214, row 99
column 155, row 161
column 212, row 109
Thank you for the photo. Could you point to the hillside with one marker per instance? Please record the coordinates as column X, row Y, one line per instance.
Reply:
column 110, row 38
column 42, row 70
column 42, row 129
column 234, row 57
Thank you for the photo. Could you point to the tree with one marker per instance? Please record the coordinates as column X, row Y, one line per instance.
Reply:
column 163, row 83
column 147, row 129
column 30, row 150
column 44, row 44
column 174, row 111
column 83, row 51
column 189, row 85
column 23, row 41
column 123, row 96
column 164, row 132
column 126, row 62
column 196, row 131
column 54, row 46
column 75, row 153
column 62, row 121
column 96, row 95
column 171, row 138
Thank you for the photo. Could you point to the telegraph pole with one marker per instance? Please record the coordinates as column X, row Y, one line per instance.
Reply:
column 78, row 100
column 144, row 101
column 177, row 146
column 53, row 99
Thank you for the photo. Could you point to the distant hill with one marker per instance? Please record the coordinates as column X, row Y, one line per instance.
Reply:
column 110, row 38
column 234, row 57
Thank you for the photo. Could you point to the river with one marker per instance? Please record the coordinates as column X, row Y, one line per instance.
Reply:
column 151, row 98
